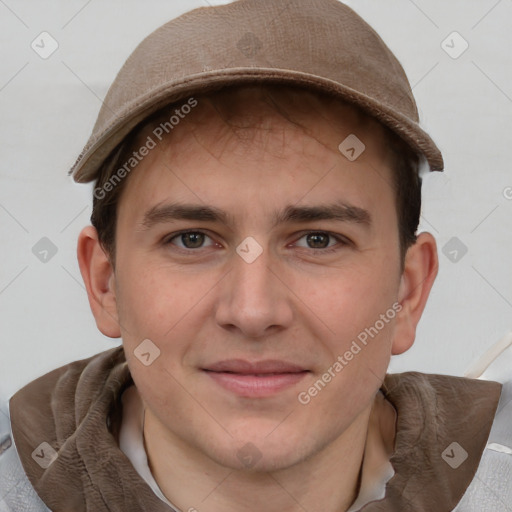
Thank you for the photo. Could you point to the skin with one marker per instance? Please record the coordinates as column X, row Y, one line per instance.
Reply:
column 251, row 157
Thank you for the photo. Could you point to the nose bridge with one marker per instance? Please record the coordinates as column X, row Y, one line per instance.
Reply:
column 253, row 298
column 252, row 279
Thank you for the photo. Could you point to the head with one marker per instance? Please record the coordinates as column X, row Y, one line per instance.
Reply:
column 245, row 234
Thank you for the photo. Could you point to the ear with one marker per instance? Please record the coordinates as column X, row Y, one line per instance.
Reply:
column 420, row 271
column 99, row 280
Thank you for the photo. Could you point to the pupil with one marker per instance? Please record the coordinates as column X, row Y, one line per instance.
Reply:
column 318, row 240
column 193, row 240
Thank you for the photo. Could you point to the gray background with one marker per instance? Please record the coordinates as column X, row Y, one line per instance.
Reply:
column 48, row 107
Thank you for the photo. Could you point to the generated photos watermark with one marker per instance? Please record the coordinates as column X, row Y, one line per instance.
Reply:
column 342, row 361
column 158, row 133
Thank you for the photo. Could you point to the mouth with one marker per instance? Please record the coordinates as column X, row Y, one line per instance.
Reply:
column 255, row 379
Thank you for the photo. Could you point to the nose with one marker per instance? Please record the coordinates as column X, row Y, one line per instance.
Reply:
column 253, row 300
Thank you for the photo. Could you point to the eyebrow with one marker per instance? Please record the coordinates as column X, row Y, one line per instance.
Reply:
column 338, row 211
column 341, row 211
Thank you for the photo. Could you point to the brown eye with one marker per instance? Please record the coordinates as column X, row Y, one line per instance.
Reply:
column 190, row 240
column 317, row 240
column 321, row 241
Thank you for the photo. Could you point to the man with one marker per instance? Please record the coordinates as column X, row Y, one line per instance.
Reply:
column 256, row 200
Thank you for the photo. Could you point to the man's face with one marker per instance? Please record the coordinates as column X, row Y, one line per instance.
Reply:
column 214, row 306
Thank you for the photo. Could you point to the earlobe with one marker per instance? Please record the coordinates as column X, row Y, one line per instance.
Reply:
column 98, row 276
column 420, row 271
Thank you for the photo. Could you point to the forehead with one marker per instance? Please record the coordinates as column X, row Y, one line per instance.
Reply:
column 268, row 131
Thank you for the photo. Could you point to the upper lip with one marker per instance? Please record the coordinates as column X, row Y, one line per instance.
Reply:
column 258, row 367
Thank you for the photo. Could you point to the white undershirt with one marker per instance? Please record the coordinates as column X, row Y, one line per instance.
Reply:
column 131, row 443
column 131, row 439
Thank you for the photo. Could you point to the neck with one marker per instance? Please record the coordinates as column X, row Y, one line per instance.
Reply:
column 331, row 478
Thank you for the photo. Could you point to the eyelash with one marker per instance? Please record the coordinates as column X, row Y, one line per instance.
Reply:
column 339, row 238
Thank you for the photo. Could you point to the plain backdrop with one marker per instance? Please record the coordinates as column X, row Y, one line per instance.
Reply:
column 48, row 107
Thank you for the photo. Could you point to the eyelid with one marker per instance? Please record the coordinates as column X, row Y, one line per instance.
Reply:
column 341, row 239
column 168, row 238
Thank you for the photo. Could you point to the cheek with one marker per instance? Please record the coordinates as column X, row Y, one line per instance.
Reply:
column 347, row 300
column 358, row 309
column 153, row 302
column 163, row 306
column 170, row 307
column 139, row 302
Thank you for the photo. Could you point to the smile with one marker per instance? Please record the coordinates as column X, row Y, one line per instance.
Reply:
column 261, row 379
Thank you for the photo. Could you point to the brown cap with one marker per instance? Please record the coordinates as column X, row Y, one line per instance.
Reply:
column 321, row 45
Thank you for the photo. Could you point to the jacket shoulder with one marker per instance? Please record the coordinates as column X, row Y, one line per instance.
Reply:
column 491, row 488
column 16, row 491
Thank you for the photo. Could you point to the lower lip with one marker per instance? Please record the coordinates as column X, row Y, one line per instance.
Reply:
column 254, row 385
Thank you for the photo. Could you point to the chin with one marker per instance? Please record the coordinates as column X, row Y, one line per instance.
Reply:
column 262, row 449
